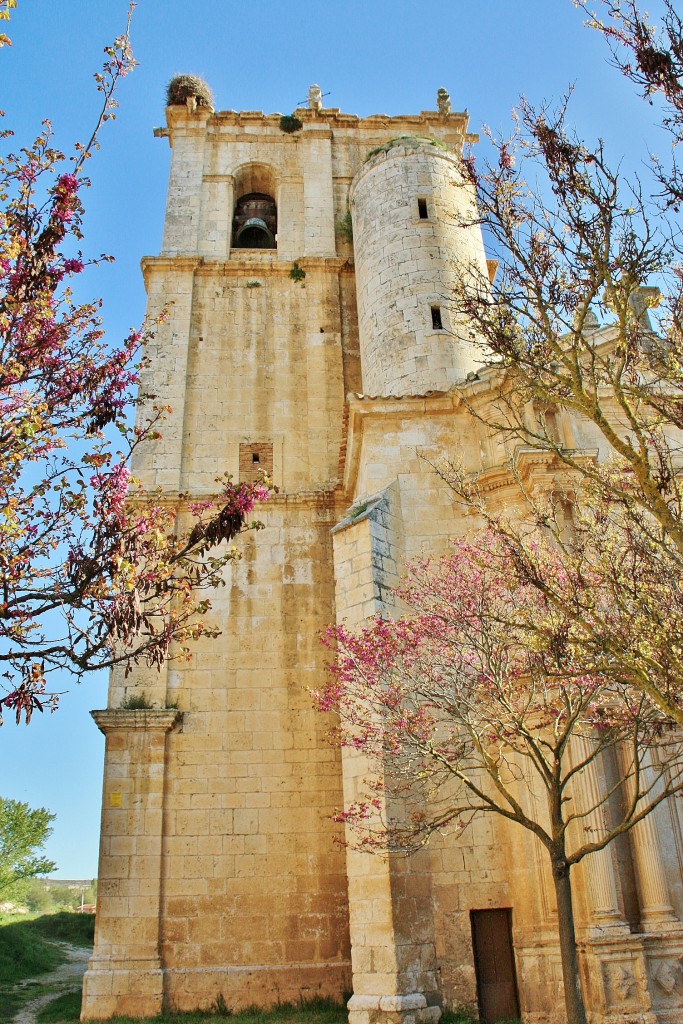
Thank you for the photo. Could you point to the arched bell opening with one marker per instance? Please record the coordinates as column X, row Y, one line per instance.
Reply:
column 254, row 225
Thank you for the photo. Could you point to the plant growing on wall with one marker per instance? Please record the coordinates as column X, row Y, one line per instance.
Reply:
column 345, row 227
column 289, row 124
column 94, row 571
column 297, row 273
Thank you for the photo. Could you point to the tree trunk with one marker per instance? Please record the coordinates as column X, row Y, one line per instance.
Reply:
column 573, row 999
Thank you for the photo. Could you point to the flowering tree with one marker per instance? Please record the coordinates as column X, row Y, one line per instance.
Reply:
column 584, row 372
column 480, row 695
column 651, row 58
column 94, row 571
column 5, row 7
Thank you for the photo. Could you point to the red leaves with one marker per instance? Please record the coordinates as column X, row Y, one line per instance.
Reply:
column 29, row 696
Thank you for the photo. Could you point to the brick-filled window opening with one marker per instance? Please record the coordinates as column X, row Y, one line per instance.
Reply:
column 422, row 211
column 255, row 459
column 437, row 322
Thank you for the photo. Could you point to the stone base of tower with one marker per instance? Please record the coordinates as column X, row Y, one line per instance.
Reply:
column 263, row 985
column 405, row 1009
column 142, row 989
column 122, row 988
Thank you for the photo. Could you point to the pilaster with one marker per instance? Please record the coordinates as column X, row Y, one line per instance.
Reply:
column 187, row 135
column 124, row 975
column 170, row 291
column 318, row 191
column 393, row 953
column 217, row 204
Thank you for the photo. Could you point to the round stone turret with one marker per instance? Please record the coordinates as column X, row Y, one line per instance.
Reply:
column 414, row 235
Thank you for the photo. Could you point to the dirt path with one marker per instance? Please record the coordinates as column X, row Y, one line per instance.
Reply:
column 66, row 978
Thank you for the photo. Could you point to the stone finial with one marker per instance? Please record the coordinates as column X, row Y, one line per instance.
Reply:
column 590, row 320
column 443, row 102
column 315, row 98
column 191, row 103
column 641, row 300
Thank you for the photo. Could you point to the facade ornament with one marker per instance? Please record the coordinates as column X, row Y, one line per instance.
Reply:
column 315, row 98
column 668, row 976
column 620, row 983
column 443, row 102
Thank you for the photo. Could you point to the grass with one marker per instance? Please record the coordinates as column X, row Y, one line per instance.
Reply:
column 28, row 940
column 27, row 950
column 315, row 1011
column 62, row 1009
column 66, row 1009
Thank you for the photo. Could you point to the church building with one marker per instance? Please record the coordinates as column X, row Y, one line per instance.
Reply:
column 306, row 269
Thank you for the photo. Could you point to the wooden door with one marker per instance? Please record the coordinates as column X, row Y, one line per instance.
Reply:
column 494, row 965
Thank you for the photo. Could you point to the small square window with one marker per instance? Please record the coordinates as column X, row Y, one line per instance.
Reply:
column 255, row 457
column 437, row 323
column 422, row 209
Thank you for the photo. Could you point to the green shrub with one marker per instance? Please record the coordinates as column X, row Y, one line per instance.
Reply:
column 78, row 929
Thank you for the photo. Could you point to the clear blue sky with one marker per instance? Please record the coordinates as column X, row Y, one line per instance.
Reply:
column 372, row 56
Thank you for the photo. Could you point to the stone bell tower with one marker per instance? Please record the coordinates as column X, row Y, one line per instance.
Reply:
column 307, row 270
column 219, row 874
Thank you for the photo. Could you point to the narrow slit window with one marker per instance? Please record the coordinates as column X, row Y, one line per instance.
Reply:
column 422, row 209
column 255, row 457
column 437, row 322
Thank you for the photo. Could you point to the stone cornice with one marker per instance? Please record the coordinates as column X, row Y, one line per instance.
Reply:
column 161, row 719
column 362, row 407
column 527, row 462
column 533, row 466
column 243, row 264
column 320, row 498
column 178, row 118
column 166, row 264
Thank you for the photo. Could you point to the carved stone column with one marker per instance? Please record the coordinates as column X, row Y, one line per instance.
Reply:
column 656, row 911
column 598, row 867
column 612, row 959
column 124, row 975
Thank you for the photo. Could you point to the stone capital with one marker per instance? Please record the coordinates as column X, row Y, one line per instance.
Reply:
column 160, row 719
